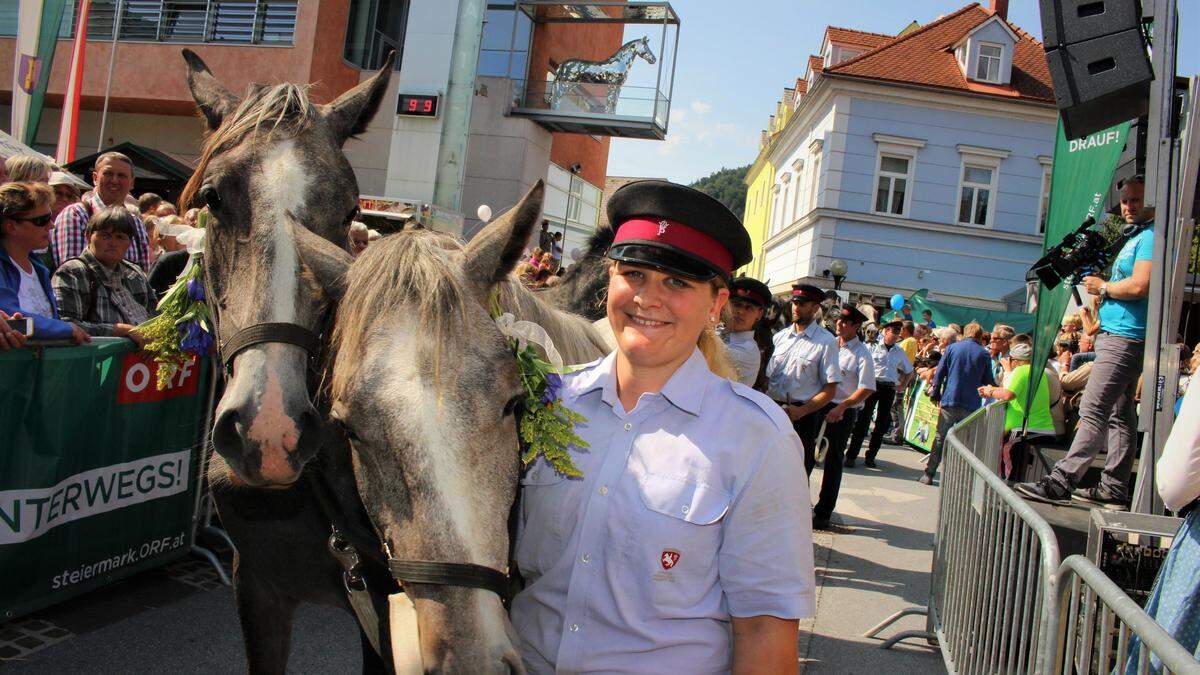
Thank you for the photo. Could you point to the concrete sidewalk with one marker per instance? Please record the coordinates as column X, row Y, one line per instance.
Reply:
column 874, row 562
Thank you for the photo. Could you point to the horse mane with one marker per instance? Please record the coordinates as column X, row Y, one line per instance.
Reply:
column 417, row 273
column 266, row 109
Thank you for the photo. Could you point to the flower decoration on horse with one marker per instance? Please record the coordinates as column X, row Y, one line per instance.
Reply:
column 183, row 328
column 546, row 427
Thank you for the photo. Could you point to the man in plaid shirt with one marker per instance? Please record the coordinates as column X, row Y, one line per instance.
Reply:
column 113, row 178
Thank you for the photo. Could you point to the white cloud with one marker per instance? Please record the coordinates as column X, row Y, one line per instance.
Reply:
column 700, row 107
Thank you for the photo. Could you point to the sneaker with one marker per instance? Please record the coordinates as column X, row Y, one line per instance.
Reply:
column 1101, row 497
column 849, row 463
column 820, row 523
column 925, row 479
column 869, row 463
column 1045, row 490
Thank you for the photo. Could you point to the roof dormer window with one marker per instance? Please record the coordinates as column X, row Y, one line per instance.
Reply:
column 987, row 68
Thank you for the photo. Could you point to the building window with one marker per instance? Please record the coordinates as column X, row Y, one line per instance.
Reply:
column 504, row 50
column 796, row 195
column 259, row 22
column 776, row 209
column 1044, row 208
column 375, row 28
column 814, row 199
column 975, row 195
column 893, row 184
column 987, row 68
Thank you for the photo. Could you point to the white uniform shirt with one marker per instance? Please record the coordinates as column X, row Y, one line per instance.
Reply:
column 802, row 364
column 857, row 369
column 31, row 296
column 692, row 509
column 890, row 362
column 743, row 351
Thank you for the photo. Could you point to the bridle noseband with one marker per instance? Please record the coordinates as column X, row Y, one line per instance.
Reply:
column 263, row 333
column 463, row 575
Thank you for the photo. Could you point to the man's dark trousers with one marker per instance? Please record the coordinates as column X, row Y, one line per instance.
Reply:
column 838, row 434
column 807, row 428
column 878, row 406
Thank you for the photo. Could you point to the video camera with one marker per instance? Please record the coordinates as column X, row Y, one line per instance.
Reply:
column 1084, row 252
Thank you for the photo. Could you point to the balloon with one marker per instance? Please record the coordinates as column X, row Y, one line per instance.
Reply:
column 897, row 302
column 484, row 212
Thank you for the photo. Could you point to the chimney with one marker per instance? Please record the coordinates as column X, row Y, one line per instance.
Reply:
column 999, row 7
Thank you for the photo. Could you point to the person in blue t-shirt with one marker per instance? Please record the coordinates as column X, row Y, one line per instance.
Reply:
column 1107, row 417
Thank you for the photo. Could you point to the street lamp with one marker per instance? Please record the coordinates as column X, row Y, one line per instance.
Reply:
column 837, row 269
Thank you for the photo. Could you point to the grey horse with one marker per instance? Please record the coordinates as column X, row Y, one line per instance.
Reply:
column 427, row 389
column 611, row 72
column 279, row 195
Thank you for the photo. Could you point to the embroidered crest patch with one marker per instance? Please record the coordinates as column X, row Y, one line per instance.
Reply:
column 669, row 558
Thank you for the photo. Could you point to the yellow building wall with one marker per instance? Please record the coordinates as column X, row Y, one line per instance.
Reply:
column 757, row 216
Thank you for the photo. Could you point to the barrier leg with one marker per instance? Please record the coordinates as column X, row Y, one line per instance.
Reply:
column 930, row 637
column 219, row 534
column 212, row 560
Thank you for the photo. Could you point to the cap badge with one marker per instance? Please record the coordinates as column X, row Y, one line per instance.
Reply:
column 669, row 558
column 662, row 227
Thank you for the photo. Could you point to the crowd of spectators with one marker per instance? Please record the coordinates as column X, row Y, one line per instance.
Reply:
column 77, row 264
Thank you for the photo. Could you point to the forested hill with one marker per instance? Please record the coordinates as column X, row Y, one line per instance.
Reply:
column 727, row 186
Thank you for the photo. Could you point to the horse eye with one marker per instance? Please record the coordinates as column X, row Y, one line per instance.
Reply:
column 209, row 196
column 515, row 405
column 351, row 216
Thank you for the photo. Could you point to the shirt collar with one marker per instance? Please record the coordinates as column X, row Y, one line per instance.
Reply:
column 684, row 389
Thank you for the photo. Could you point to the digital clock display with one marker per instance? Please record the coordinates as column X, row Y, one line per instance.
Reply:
column 417, row 105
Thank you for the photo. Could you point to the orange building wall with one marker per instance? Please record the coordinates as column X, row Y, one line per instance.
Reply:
column 152, row 77
column 556, row 42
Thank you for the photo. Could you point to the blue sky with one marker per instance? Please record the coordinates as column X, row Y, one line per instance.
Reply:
column 736, row 58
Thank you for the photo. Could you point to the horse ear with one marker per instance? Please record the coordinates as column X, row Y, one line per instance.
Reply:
column 494, row 252
column 328, row 262
column 353, row 110
column 213, row 99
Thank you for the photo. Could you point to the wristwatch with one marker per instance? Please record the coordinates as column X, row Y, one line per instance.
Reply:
column 1104, row 291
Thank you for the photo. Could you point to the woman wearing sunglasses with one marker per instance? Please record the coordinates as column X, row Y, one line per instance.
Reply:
column 25, row 223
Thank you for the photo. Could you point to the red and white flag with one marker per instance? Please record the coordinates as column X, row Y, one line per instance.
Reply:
column 69, row 126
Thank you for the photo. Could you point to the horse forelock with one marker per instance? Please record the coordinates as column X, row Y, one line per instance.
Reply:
column 277, row 111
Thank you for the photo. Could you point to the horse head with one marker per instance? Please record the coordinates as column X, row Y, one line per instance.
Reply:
column 641, row 47
column 428, row 392
column 280, row 196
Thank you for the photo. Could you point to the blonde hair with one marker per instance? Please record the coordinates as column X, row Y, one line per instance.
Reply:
column 21, row 197
column 27, row 169
column 972, row 330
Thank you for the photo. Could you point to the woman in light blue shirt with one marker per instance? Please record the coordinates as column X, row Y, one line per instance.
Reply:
column 686, row 545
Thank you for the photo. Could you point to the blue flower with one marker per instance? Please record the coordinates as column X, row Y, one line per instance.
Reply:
column 195, row 339
column 195, row 289
column 553, row 385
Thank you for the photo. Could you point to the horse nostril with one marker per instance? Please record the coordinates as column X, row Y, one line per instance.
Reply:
column 512, row 661
column 227, row 433
column 310, row 435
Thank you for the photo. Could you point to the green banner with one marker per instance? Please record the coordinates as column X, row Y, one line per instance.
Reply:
column 921, row 424
column 1083, row 170
column 945, row 314
column 98, row 472
column 48, row 31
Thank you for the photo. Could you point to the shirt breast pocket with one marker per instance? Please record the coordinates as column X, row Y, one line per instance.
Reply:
column 546, row 497
column 804, row 359
column 674, row 541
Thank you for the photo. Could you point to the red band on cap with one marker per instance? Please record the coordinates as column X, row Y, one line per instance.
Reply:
column 677, row 235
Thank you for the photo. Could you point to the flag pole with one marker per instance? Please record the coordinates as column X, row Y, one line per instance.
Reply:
column 112, row 61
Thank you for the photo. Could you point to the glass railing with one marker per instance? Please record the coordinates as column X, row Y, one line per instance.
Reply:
column 599, row 100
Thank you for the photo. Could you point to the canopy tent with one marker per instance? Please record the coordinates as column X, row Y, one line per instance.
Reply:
column 945, row 314
column 10, row 146
column 153, row 171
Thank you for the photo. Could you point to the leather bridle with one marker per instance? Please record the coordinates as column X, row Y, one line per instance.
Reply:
column 462, row 575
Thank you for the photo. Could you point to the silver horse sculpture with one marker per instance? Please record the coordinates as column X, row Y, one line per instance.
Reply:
column 611, row 72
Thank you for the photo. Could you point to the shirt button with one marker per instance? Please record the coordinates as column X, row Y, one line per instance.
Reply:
column 686, row 508
column 587, row 558
column 628, row 426
column 603, row 489
column 574, row 628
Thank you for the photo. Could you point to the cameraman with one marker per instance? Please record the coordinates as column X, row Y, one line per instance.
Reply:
column 1106, row 413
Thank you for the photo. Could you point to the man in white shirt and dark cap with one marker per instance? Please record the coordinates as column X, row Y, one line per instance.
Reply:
column 748, row 299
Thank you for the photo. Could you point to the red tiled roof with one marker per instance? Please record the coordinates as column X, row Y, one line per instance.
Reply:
column 925, row 57
column 858, row 38
column 801, row 86
column 815, row 64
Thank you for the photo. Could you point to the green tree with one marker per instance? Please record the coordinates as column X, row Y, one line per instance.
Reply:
column 726, row 186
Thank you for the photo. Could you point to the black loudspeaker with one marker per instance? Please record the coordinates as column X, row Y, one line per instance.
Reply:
column 1131, row 163
column 1100, row 82
column 1065, row 22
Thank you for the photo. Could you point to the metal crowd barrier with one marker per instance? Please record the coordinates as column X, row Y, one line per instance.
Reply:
column 1099, row 621
column 202, row 514
column 995, row 563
